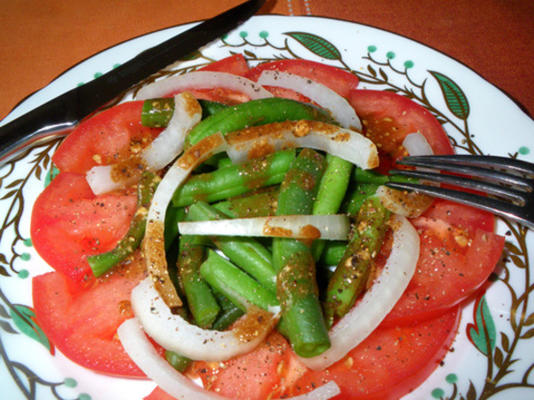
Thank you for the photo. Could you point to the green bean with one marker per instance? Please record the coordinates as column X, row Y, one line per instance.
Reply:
column 158, row 112
column 235, row 179
column 245, row 252
column 172, row 217
column 357, row 196
column 371, row 176
column 229, row 314
column 297, row 291
column 352, row 273
column 101, row 263
column 253, row 113
column 331, row 192
column 200, row 299
column 260, row 204
column 235, row 284
column 179, row 362
column 333, row 252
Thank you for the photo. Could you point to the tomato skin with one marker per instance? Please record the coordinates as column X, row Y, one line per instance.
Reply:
column 82, row 324
column 390, row 363
column 388, row 117
column 106, row 138
column 69, row 223
column 458, row 253
column 340, row 81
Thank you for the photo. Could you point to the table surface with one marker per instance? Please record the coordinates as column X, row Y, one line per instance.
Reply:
column 41, row 39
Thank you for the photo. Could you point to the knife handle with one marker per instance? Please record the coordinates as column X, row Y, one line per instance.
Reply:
column 40, row 125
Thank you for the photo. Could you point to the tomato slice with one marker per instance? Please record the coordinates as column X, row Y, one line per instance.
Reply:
column 158, row 394
column 235, row 64
column 458, row 253
column 389, row 363
column 251, row 376
column 388, row 117
column 340, row 81
column 69, row 223
column 82, row 324
column 107, row 138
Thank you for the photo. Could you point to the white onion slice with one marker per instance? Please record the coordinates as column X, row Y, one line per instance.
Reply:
column 328, row 227
column 417, row 145
column 169, row 143
column 143, row 353
column 408, row 204
column 378, row 301
column 153, row 244
column 339, row 107
column 203, row 80
column 160, row 152
column 260, row 140
column 175, row 333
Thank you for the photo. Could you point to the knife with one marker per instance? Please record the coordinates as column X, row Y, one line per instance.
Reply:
column 60, row 115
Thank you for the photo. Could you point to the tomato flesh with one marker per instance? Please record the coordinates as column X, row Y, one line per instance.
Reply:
column 389, row 363
column 109, row 137
column 388, row 117
column 83, row 324
column 69, row 223
column 458, row 253
column 251, row 376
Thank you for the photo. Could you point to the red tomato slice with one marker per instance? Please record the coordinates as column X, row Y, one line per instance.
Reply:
column 235, row 64
column 388, row 117
column 458, row 253
column 69, row 222
column 340, row 81
column 251, row 376
column 82, row 324
column 389, row 363
column 107, row 138
column 158, row 394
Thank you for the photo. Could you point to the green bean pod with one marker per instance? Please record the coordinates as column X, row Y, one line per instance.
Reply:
column 234, row 180
column 258, row 204
column 235, row 284
column 200, row 299
column 352, row 273
column 253, row 113
column 331, row 192
column 297, row 290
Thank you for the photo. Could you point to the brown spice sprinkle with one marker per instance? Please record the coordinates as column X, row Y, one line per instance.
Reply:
column 156, row 263
column 192, row 106
column 260, row 148
column 277, row 231
column 255, row 323
column 200, row 151
column 309, row 232
column 127, row 170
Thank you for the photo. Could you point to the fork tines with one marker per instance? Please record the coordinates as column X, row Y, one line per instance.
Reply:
column 506, row 185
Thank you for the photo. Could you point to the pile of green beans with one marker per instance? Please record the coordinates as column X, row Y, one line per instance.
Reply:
column 220, row 277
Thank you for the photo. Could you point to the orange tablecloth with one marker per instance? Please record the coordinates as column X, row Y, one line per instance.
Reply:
column 40, row 39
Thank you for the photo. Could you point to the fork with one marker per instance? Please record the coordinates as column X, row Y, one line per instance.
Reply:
column 506, row 184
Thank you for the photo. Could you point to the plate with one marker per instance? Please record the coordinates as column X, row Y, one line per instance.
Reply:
column 493, row 353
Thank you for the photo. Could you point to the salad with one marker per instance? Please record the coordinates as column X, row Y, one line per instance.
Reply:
column 238, row 217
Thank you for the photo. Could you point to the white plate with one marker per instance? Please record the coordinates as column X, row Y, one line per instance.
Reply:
column 489, row 122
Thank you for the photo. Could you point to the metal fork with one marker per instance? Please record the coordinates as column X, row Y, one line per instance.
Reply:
column 506, row 185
